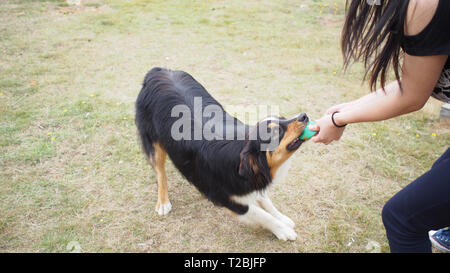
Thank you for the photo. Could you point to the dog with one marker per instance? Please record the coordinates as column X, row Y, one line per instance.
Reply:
column 232, row 173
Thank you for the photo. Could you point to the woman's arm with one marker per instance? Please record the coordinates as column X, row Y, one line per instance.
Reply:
column 419, row 77
column 419, row 15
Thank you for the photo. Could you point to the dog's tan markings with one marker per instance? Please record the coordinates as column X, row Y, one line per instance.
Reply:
column 276, row 158
column 163, row 205
column 253, row 164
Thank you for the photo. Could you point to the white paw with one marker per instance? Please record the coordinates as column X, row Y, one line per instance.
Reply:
column 287, row 221
column 285, row 233
column 163, row 209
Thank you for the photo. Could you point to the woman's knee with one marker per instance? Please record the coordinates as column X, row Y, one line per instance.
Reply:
column 389, row 214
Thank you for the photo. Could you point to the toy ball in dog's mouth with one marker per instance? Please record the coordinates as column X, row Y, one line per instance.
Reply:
column 307, row 133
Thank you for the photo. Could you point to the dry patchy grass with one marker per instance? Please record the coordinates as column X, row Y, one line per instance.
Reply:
column 70, row 164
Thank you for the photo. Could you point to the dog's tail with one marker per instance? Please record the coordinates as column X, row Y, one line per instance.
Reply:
column 147, row 144
column 144, row 127
column 143, row 112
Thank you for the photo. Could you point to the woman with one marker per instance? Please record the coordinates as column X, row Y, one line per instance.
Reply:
column 379, row 33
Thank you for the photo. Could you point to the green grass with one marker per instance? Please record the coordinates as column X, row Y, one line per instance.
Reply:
column 71, row 168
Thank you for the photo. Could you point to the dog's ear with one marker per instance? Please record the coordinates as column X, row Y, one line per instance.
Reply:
column 247, row 165
column 253, row 165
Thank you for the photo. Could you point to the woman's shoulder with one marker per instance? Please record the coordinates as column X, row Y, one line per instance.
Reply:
column 427, row 29
column 419, row 15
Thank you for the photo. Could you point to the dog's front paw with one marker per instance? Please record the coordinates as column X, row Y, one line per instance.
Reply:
column 163, row 209
column 287, row 221
column 285, row 233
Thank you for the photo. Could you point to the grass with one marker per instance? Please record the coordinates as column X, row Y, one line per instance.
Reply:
column 71, row 169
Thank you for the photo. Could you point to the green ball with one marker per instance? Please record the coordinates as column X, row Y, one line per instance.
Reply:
column 307, row 134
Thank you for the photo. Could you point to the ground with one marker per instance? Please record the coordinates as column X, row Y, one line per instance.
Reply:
column 73, row 177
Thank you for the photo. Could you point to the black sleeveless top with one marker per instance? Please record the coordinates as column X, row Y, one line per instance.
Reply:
column 434, row 39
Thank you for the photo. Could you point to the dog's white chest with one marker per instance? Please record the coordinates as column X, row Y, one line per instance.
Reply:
column 282, row 171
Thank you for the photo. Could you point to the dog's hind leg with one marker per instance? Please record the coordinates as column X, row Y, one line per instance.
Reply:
column 158, row 161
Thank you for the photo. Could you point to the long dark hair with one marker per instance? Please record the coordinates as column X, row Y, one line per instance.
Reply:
column 373, row 34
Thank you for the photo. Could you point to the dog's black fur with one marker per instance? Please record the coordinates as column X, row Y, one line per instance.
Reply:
column 219, row 169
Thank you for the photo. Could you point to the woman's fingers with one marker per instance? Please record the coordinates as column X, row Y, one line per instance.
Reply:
column 327, row 131
column 314, row 127
column 319, row 139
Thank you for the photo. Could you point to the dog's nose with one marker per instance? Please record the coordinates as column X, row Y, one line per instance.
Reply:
column 302, row 117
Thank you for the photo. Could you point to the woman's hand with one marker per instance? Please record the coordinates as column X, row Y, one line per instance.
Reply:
column 327, row 131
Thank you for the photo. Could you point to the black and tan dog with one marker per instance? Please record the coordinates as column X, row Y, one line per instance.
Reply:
column 233, row 173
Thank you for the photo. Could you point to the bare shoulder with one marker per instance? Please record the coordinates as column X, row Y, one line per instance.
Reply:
column 419, row 15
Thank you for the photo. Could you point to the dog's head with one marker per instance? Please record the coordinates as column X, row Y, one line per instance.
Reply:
column 268, row 145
